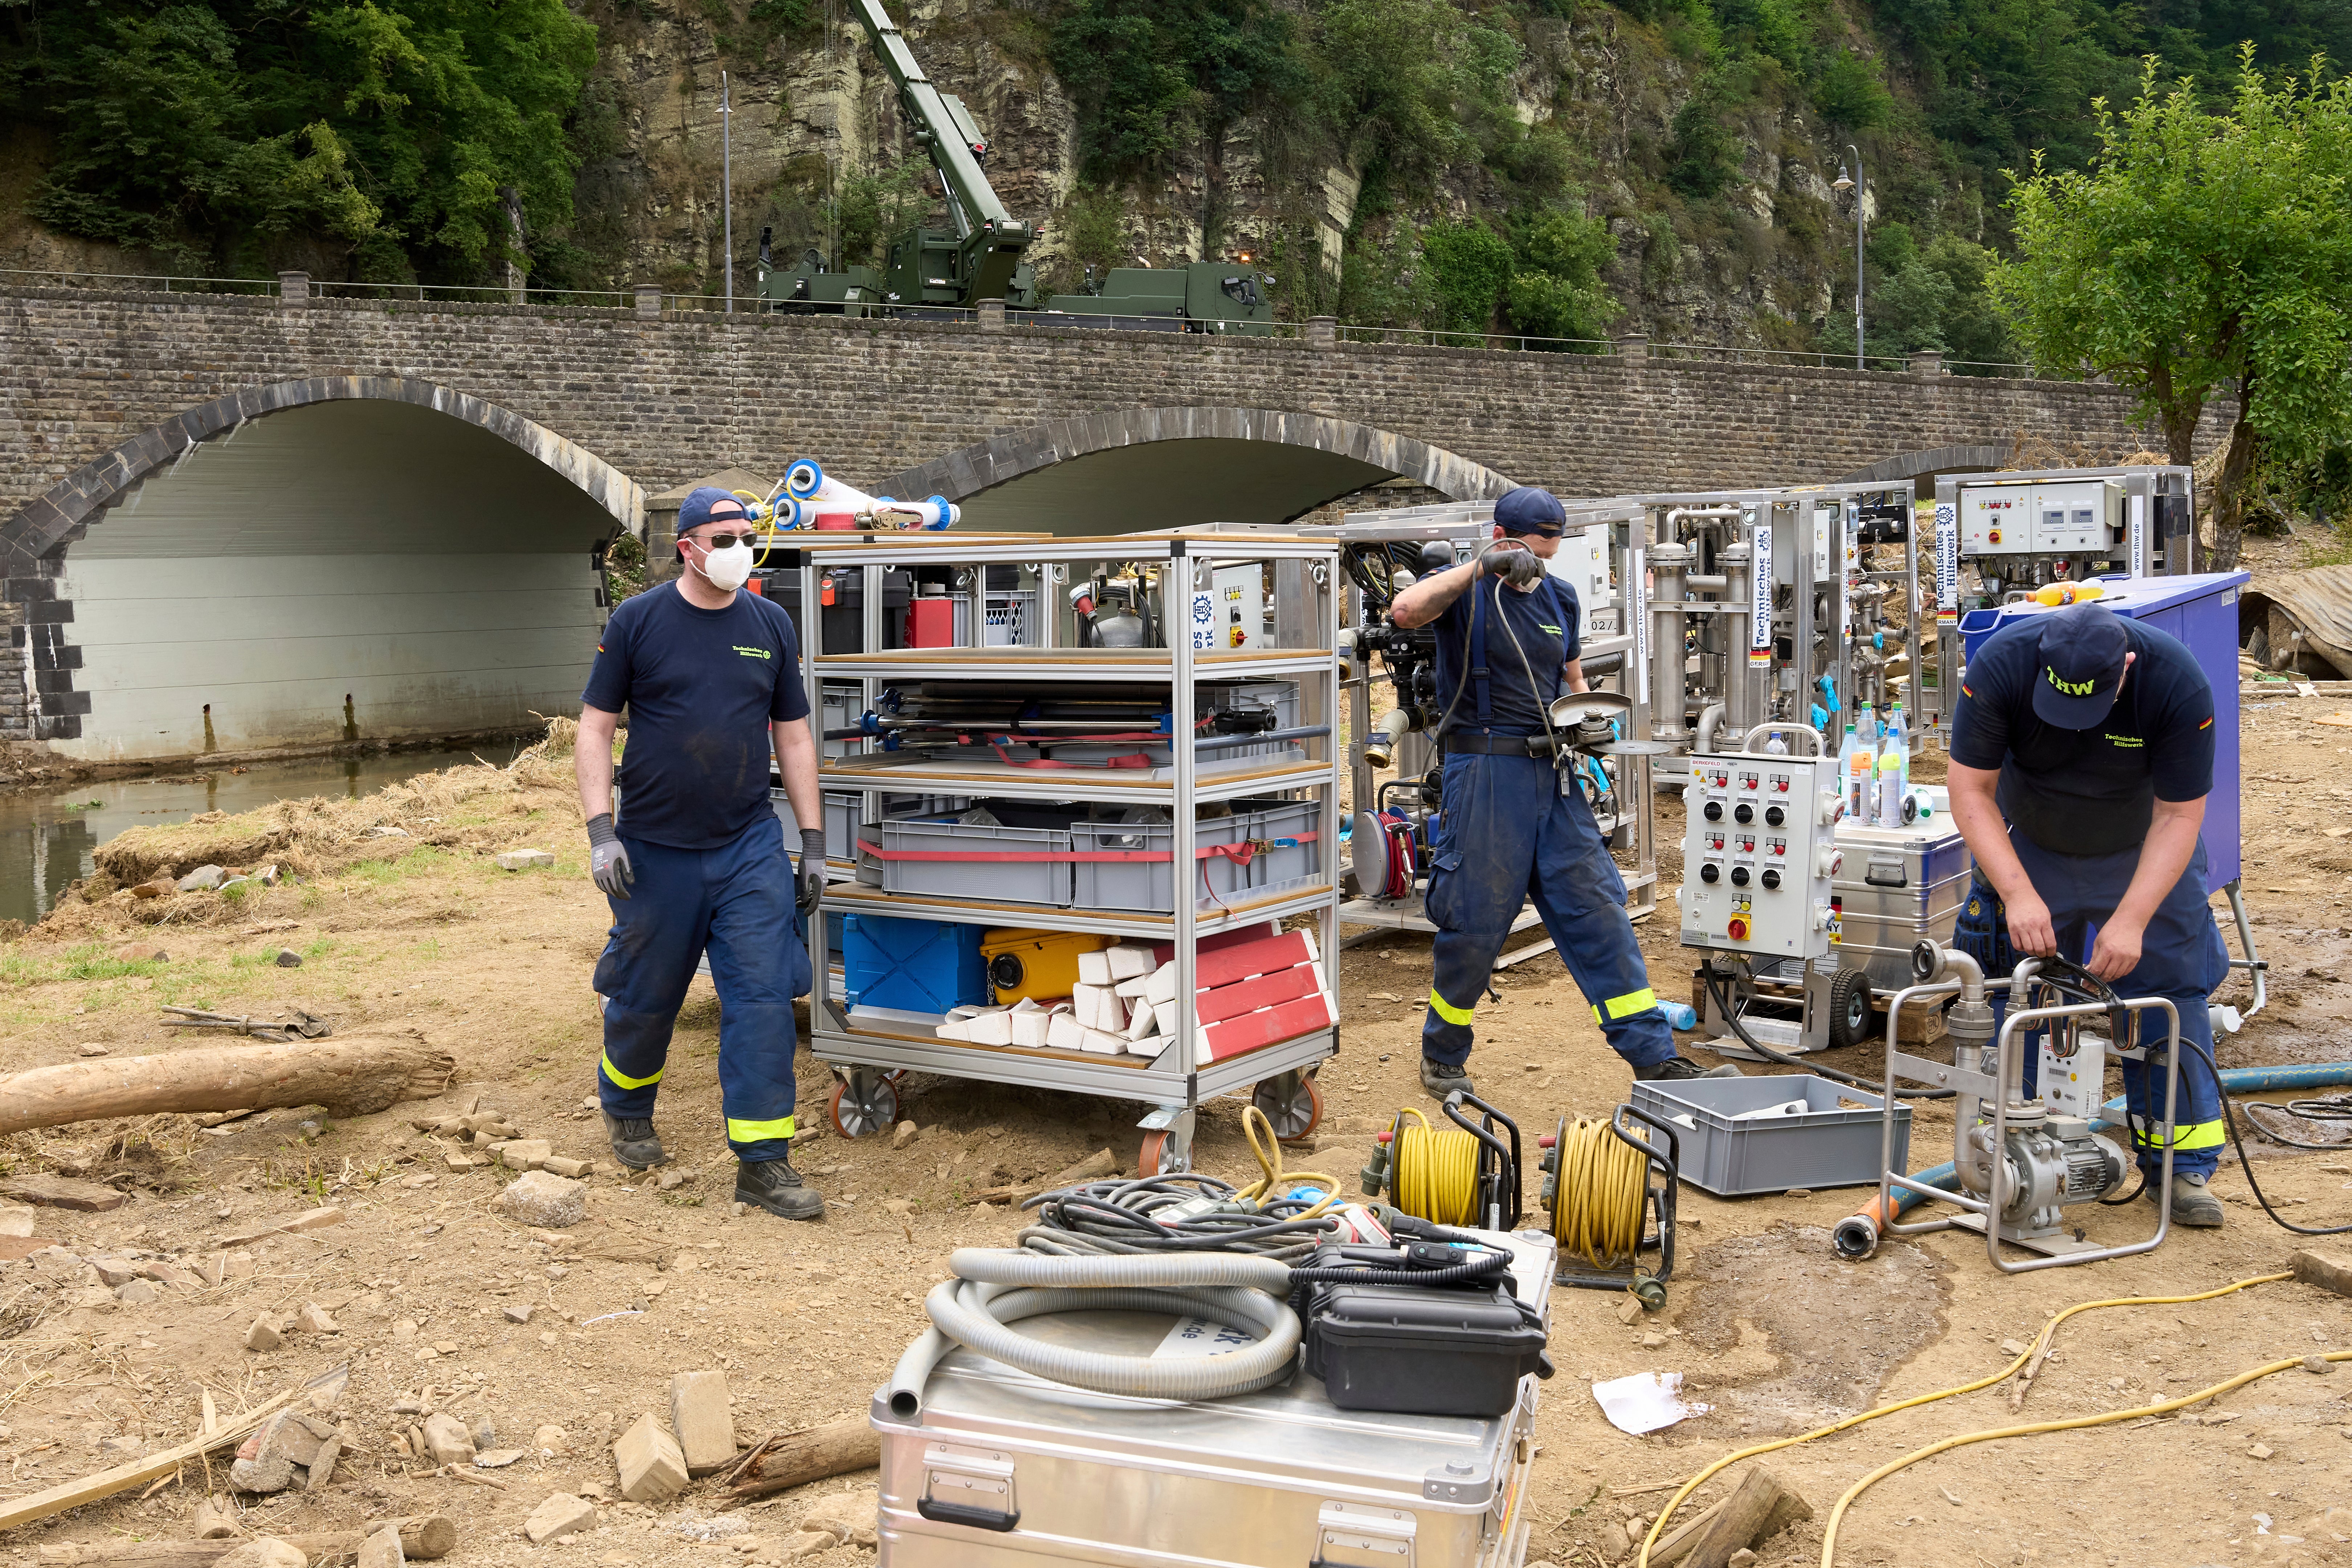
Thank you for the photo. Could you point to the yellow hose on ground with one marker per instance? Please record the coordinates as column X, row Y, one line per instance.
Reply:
column 1600, row 1183
column 2048, row 1329
column 1269, row 1161
column 1435, row 1170
column 1837, row 1514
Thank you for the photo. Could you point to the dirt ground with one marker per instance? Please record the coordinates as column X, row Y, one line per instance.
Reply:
column 424, row 931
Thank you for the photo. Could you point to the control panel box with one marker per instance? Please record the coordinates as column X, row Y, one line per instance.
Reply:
column 1582, row 562
column 2082, row 517
column 1759, row 849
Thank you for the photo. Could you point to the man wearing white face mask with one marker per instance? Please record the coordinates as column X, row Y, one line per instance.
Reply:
column 710, row 676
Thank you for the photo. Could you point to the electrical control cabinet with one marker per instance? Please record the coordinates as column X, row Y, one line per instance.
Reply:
column 1582, row 562
column 2082, row 517
column 1760, row 847
column 1997, row 520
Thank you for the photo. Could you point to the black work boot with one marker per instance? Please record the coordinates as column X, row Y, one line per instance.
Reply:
column 634, row 1142
column 1441, row 1079
column 1683, row 1066
column 775, row 1186
column 2192, row 1206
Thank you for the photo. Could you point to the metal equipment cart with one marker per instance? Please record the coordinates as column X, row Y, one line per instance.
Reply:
column 1234, row 608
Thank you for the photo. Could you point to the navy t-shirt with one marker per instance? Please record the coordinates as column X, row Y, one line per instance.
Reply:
column 1547, row 621
column 2087, row 792
column 701, row 688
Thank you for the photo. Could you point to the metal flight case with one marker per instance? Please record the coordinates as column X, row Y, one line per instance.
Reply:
column 1001, row 1468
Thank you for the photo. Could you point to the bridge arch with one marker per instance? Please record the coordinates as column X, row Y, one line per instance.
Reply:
column 1182, row 465
column 336, row 558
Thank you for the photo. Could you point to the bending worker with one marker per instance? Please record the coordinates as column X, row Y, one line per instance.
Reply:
column 1507, row 636
column 710, row 676
column 2081, row 755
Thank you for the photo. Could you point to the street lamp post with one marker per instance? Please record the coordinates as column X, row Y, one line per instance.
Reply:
column 727, row 185
column 1856, row 184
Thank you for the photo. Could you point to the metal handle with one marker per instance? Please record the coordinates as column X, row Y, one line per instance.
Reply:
column 966, row 1514
column 1747, row 742
column 1871, row 877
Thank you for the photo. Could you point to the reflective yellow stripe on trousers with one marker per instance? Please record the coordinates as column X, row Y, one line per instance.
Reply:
column 625, row 1081
column 1448, row 1011
column 2186, row 1136
column 753, row 1131
column 1628, row 1005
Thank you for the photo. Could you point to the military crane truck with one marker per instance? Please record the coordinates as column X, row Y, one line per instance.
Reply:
column 979, row 255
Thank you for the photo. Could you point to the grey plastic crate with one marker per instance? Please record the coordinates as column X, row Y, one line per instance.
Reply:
column 1046, row 882
column 1147, row 885
column 1281, row 864
column 1826, row 1146
column 842, row 813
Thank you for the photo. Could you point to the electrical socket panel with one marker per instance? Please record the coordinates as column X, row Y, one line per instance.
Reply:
column 1759, row 849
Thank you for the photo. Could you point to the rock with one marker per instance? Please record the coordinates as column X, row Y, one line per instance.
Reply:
column 851, row 1516
column 1653, row 1340
column 15, row 1220
column 704, row 1419
column 403, row 1330
column 159, row 888
column 524, row 860
column 523, row 1153
column 497, row 1458
column 808, row 1543
column 905, row 1135
column 93, row 1048
column 322, row 1468
column 573, row 1168
column 168, row 1274
column 2259, row 1452
column 560, row 1515
column 2012, row 1347
column 673, row 1179
column 446, row 1441
column 308, row 1219
column 382, row 1549
column 552, row 1439
column 313, row 1320
column 267, row 1553
column 485, row 1434
column 520, row 1312
column 651, row 1466
column 1629, row 1310
column 202, row 879
column 2318, row 1363
column 62, row 1193
column 263, row 1335
column 1614, row 1542
column 113, row 1272
column 1743, row 1558
column 137, row 1293
column 544, row 1199
column 289, row 959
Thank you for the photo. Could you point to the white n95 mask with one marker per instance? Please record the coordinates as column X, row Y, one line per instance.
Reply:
column 730, row 568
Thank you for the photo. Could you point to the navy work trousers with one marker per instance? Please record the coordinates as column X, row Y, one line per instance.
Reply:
column 735, row 902
column 1506, row 834
column 2181, row 958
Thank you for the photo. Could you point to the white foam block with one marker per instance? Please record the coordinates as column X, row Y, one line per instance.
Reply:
column 1163, row 984
column 1164, row 1014
column 1143, row 1024
column 1131, row 960
column 1094, row 968
column 1065, row 1033
column 1031, row 1028
column 1131, row 990
column 992, row 1029
column 1098, row 1007
column 1149, row 1046
column 1104, row 1042
column 956, row 1029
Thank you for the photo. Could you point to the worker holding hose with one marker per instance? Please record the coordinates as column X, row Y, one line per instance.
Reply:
column 2081, row 755
column 695, row 862
column 1511, row 825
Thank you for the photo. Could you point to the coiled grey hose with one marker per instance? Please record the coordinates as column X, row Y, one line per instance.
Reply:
column 997, row 1287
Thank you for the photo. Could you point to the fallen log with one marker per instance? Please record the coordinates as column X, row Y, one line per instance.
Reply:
column 810, row 1455
column 349, row 1077
column 1746, row 1517
column 426, row 1538
column 138, row 1472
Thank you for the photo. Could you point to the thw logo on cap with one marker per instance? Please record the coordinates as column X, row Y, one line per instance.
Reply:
column 2070, row 688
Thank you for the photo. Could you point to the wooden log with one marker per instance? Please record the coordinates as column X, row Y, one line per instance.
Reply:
column 1676, row 1544
column 349, row 1077
column 811, row 1455
column 138, row 1472
column 1745, row 1519
column 427, row 1537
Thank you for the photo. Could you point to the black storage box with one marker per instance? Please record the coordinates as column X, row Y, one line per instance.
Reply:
column 1421, row 1352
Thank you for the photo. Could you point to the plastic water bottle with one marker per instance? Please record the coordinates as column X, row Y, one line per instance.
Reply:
column 1897, row 740
column 1859, row 804
column 1847, row 749
column 1889, row 812
column 1775, row 744
column 1679, row 1015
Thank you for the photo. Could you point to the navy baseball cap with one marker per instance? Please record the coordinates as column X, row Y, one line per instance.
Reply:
column 708, row 503
column 2082, row 650
column 1531, row 510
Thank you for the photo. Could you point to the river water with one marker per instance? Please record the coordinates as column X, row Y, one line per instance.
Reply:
column 47, row 840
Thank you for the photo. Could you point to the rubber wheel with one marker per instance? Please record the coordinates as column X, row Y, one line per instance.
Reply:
column 1292, row 1103
column 1849, row 1010
column 1161, row 1157
column 854, row 1118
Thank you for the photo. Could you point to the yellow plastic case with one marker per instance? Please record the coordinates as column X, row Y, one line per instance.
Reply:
column 1040, row 964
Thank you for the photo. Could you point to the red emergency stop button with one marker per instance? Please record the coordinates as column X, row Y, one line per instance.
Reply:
column 1781, row 785
column 1738, row 930
column 1994, row 535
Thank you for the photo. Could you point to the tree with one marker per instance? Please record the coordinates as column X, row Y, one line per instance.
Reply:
column 1555, row 290
column 1472, row 268
column 2202, row 252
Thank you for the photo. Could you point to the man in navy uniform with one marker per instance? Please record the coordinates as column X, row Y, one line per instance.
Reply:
column 2081, row 755
column 1507, row 642
column 696, row 864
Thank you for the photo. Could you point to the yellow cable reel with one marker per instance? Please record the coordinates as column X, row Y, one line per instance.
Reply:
column 1600, row 1192
column 1434, row 1171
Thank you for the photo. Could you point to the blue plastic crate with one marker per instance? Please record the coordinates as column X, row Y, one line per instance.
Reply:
column 911, row 966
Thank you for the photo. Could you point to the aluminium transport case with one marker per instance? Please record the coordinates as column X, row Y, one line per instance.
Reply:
column 1896, row 888
column 1279, row 1479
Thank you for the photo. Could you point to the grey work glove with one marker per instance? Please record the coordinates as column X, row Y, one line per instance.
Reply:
column 812, row 880
column 608, row 858
column 1514, row 564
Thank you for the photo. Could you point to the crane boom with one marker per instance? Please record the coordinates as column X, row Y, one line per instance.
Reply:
column 989, row 239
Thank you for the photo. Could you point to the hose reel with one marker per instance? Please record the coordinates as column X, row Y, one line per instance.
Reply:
column 1460, row 1176
column 1604, row 1183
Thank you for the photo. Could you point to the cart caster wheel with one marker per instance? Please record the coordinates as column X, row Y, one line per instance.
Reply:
column 1291, row 1103
column 1850, row 1011
column 855, row 1114
column 1163, row 1156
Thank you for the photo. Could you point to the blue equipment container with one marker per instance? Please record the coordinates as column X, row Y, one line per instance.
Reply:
column 2202, row 612
column 911, row 966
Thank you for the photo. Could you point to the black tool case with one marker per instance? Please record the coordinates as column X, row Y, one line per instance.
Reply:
column 1443, row 1352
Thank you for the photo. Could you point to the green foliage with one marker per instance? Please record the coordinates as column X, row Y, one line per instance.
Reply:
column 1094, row 233
column 2202, row 251
column 1150, row 76
column 217, row 134
column 873, row 210
column 1555, row 290
column 1849, row 94
column 1702, row 157
column 1470, row 267
column 1399, row 83
column 1389, row 284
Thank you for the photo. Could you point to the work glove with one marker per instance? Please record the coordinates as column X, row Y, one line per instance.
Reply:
column 812, row 879
column 1515, row 564
column 608, row 858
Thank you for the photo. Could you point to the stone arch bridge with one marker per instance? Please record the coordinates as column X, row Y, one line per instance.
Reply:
column 233, row 522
